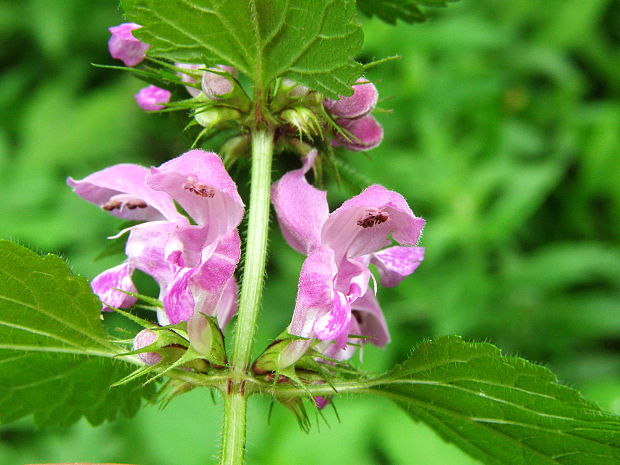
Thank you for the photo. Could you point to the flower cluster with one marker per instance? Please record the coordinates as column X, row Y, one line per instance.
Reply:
column 192, row 252
column 335, row 302
column 192, row 257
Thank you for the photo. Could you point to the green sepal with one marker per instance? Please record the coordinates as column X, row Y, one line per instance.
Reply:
column 206, row 339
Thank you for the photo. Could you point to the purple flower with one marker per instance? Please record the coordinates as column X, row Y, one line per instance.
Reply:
column 333, row 299
column 124, row 46
column 361, row 103
column 366, row 134
column 192, row 263
column 152, row 98
column 106, row 283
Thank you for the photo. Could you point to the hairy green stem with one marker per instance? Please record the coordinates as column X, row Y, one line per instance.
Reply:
column 235, row 404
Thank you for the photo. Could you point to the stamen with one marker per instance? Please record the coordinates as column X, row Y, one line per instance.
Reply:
column 372, row 219
column 120, row 201
column 199, row 189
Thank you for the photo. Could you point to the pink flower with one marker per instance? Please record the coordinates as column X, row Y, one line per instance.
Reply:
column 333, row 299
column 124, row 46
column 106, row 283
column 143, row 339
column 152, row 98
column 193, row 263
column 361, row 103
column 366, row 134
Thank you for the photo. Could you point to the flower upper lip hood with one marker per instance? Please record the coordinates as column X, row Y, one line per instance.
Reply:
column 123, row 192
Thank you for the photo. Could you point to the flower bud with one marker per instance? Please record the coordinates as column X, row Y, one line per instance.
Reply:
column 190, row 77
column 105, row 286
column 361, row 103
column 293, row 89
column 152, row 98
column 366, row 134
column 214, row 116
column 124, row 46
column 302, row 119
column 143, row 339
column 206, row 338
column 215, row 85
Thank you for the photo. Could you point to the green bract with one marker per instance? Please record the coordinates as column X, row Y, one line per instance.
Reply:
column 310, row 42
column 55, row 358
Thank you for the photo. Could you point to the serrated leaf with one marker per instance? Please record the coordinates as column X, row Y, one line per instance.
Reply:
column 56, row 361
column 501, row 410
column 312, row 42
column 392, row 10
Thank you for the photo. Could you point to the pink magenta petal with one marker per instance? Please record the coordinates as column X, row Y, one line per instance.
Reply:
column 396, row 263
column 152, row 98
column 122, row 191
column 301, row 209
column 315, row 293
column 124, row 46
column 370, row 319
column 105, row 285
column 362, row 102
column 201, row 288
column 364, row 223
column 227, row 305
column 198, row 181
column 146, row 248
column 335, row 324
column 366, row 134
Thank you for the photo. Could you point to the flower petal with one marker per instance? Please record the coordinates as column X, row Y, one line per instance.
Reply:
column 106, row 283
column 369, row 317
column 301, row 208
column 367, row 134
column 361, row 103
column 315, row 294
column 396, row 263
column 122, row 191
column 146, row 249
column 124, row 46
column 213, row 279
column 364, row 223
column 198, row 181
column 335, row 324
column 227, row 305
column 152, row 98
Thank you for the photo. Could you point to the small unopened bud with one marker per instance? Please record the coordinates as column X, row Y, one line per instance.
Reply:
column 302, row 119
column 206, row 338
column 361, row 103
column 366, row 134
column 280, row 355
column 214, row 116
column 124, row 46
column 143, row 339
column 215, row 85
column 190, row 76
column 293, row 89
column 152, row 98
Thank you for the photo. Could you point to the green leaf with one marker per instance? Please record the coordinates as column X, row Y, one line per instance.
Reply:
column 501, row 410
column 392, row 10
column 55, row 358
column 312, row 42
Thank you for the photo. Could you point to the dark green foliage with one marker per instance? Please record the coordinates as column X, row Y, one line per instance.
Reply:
column 408, row 11
column 56, row 361
column 501, row 410
column 312, row 42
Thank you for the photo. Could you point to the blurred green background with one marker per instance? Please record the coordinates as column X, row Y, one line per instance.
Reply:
column 504, row 135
